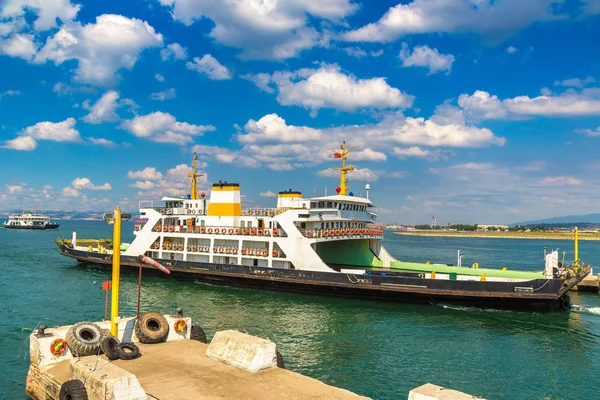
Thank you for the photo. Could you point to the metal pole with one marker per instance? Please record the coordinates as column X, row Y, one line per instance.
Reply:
column 576, row 244
column 116, row 272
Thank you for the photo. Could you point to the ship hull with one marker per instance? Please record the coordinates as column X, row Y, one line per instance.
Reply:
column 546, row 294
column 33, row 228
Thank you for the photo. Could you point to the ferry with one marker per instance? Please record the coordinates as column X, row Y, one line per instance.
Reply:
column 33, row 221
column 328, row 245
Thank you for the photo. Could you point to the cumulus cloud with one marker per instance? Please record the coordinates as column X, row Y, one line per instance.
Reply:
column 23, row 143
column 423, row 56
column 46, row 11
column 7, row 93
column 561, row 181
column 86, row 183
column 173, row 51
column 70, row 192
column 209, row 66
column 491, row 20
column 415, row 151
column 356, row 52
column 164, row 128
column 330, row 87
column 481, row 105
column 56, row 131
column 268, row 194
column 101, row 49
column 164, row 95
column 264, row 30
column 148, row 173
column 589, row 132
column 575, row 82
column 159, row 77
column 103, row 110
column 19, row 45
column 511, row 50
column 101, row 142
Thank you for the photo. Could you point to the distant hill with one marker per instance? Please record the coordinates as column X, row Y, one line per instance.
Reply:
column 569, row 219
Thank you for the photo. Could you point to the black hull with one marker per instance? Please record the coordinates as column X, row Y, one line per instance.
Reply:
column 393, row 286
column 33, row 228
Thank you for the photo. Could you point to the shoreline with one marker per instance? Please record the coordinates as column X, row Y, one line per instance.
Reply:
column 502, row 235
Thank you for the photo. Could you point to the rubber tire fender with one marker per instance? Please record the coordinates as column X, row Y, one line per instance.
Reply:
column 151, row 327
column 110, row 347
column 73, row 390
column 565, row 302
column 197, row 333
column 128, row 351
column 83, row 339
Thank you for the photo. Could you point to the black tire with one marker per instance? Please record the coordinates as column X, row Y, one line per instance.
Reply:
column 110, row 347
column 73, row 390
column 128, row 351
column 151, row 327
column 565, row 302
column 280, row 363
column 197, row 333
column 84, row 339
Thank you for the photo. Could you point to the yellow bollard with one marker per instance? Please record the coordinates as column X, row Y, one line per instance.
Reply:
column 483, row 277
column 116, row 271
column 89, row 249
column 576, row 244
column 504, row 269
column 432, row 274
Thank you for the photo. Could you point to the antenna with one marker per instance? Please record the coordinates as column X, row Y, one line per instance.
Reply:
column 194, row 175
column 344, row 168
column 367, row 188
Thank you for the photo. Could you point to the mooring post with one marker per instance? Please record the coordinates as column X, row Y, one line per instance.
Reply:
column 576, row 244
column 116, row 272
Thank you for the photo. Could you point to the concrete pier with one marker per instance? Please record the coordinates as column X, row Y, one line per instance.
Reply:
column 178, row 368
column 590, row 283
column 429, row 391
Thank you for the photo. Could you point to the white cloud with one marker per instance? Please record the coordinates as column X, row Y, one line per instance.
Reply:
column 14, row 189
column 511, row 50
column 358, row 174
column 481, row 105
column 101, row 142
column 19, row 45
column 56, row 131
column 159, row 77
column 368, row 155
column 9, row 93
column 23, row 143
column 272, row 128
column 47, row 11
column 103, row 48
column 262, row 80
column 144, row 185
column 589, row 132
column 265, row 29
column 268, row 194
column 64, row 89
column 164, row 128
column 148, row 173
column 209, row 66
column 103, row 110
column 423, row 56
column 575, row 82
column 174, row 51
column 329, row 87
column 164, row 95
column 415, row 151
column 86, row 183
column 561, row 181
column 396, row 175
column 355, row 52
column 492, row 20
column 70, row 192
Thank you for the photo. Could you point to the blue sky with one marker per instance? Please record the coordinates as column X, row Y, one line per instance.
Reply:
column 484, row 111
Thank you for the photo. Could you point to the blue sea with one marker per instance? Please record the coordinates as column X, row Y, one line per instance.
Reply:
column 376, row 349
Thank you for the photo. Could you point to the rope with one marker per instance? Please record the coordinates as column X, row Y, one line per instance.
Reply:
column 541, row 287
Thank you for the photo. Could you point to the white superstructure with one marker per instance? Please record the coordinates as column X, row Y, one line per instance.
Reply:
column 28, row 220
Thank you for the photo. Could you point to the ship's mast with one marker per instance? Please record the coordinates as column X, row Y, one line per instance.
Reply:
column 345, row 168
column 194, row 175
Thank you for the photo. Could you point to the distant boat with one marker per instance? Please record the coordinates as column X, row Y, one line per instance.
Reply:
column 29, row 220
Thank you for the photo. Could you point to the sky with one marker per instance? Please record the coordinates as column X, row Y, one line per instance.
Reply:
column 476, row 111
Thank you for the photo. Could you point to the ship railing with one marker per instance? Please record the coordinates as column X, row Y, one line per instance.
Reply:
column 260, row 212
column 342, row 233
column 221, row 230
column 229, row 250
column 281, row 210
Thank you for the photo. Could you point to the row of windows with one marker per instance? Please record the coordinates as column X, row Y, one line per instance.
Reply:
column 339, row 206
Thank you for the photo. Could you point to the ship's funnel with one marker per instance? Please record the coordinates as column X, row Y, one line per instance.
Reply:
column 288, row 199
column 225, row 200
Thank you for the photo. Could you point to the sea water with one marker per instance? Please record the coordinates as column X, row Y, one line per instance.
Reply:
column 376, row 349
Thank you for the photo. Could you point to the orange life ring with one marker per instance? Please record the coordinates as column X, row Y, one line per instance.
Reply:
column 234, row 250
column 309, row 234
column 180, row 326
column 253, row 231
column 136, row 228
column 260, row 232
column 243, row 251
column 237, row 231
column 265, row 253
column 325, row 233
column 275, row 232
column 188, row 211
column 245, row 231
column 188, row 247
column 209, row 230
column 162, row 211
column 231, row 231
column 267, row 232
column 58, row 346
column 228, row 250
column 275, row 253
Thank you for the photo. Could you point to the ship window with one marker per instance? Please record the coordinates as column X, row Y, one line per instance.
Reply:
column 313, row 204
column 201, row 222
column 249, row 224
column 242, row 224
column 329, row 204
column 321, row 204
column 303, row 225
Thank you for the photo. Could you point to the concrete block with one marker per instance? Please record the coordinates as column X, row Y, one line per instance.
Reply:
column 430, row 391
column 39, row 348
column 105, row 381
column 246, row 352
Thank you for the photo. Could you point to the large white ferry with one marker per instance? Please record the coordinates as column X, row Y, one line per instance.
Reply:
column 28, row 220
column 326, row 245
